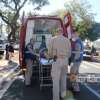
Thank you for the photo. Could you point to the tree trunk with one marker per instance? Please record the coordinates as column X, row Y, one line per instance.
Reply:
column 11, row 35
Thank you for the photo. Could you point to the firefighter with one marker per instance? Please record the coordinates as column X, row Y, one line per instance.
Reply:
column 77, row 57
column 29, row 58
column 43, row 47
column 59, row 48
column 43, row 43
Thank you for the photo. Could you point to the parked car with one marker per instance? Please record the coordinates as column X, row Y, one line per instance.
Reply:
column 87, row 51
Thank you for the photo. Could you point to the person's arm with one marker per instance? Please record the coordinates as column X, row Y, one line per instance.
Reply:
column 69, row 48
column 77, row 51
column 50, row 48
column 30, row 50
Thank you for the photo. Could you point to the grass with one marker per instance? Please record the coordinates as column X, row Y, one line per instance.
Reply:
column 69, row 96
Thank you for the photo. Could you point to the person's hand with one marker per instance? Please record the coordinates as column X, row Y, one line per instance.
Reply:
column 73, row 77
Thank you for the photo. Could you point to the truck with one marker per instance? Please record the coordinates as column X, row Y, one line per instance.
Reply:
column 35, row 27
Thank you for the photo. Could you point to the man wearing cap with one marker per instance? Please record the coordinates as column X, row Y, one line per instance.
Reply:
column 60, row 49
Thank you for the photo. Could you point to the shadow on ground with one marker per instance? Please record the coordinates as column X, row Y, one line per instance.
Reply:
column 18, row 91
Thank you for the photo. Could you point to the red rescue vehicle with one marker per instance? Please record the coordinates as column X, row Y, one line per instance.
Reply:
column 36, row 26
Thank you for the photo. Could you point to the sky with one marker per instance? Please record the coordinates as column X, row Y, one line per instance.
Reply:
column 96, row 8
column 59, row 4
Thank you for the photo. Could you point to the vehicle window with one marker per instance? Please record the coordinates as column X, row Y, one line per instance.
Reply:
column 46, row 26
column 1, row 42
column 39, row 27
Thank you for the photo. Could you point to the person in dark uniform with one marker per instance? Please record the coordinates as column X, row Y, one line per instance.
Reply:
column 43, row 48
column 43, row 43
column 29, row 59
column 76, row 60
column 7, row 52
column 11, row 52
column 93, row 52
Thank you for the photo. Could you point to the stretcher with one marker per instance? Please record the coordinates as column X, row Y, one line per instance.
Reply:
column 45, row 72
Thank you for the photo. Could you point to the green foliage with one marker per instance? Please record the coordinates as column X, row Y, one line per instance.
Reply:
column 83, row 18
column 94, row 32
column 59, row 13
column 10, row 10
column 39, row 3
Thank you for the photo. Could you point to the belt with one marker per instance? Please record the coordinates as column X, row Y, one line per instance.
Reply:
column 61, row 56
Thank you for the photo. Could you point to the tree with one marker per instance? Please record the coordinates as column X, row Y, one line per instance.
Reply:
column 30, row 14
column 59, row 13
column 83, row 18
column 10, row 10
column 1, row 25
column 94, row 32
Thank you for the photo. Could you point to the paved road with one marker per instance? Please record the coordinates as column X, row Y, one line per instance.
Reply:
column 17, row 90
column 7, row 71
column 89, row 67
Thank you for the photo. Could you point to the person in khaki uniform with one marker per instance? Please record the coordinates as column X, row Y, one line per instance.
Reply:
column 60, row 49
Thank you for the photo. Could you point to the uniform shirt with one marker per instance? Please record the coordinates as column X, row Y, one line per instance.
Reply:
column 42, row 46
column 29, row 51
column 78, row 50
column 59, row 46
column 10, row 48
